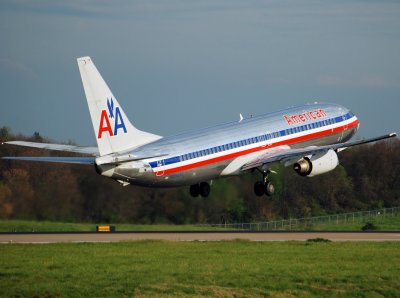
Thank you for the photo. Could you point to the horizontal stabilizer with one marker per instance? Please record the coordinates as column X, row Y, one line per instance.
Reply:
column 71, row 160
column 116, row 160
column 58, row 147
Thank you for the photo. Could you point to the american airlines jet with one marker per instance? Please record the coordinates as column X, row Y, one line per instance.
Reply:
column 306, row 138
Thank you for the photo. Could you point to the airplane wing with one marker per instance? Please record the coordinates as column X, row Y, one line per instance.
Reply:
column 285, row 154
column 58, row 147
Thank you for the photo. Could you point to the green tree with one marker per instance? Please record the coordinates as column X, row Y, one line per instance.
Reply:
column 6, row 207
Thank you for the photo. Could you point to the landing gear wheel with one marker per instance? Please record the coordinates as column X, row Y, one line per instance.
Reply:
column 259, row 188
column 195, row 190
column 204, row 189
column 265, row 186
column 269, row 188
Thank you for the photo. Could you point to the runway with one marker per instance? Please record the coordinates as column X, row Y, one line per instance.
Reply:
column 194, row 236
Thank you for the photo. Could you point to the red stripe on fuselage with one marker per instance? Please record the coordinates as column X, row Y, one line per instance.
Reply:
column 259, row 148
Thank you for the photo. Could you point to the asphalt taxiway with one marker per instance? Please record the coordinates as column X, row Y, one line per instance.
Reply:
column 194, row 236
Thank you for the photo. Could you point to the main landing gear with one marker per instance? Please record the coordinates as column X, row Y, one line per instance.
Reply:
column 202, row 189
column 265, row 186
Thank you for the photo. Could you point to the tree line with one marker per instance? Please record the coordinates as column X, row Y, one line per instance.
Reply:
column 367, row 178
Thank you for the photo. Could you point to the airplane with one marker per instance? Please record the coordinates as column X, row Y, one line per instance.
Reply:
column 306, row 138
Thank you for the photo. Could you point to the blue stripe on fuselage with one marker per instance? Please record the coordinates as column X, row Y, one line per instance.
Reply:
column 252, row 140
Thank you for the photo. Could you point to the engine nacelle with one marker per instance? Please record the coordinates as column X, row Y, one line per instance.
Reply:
column 317, row 164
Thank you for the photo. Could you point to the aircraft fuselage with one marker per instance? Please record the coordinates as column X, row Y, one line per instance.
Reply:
column 220, row 151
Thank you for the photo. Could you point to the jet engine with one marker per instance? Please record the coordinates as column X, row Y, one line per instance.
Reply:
column 318, row 164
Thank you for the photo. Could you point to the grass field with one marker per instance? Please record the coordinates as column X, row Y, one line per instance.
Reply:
column 391, row 222
column 217, row 269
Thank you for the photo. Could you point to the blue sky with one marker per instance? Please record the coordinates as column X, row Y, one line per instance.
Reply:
column 178, row 65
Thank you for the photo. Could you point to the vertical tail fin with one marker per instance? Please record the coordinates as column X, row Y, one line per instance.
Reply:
column 113, row 130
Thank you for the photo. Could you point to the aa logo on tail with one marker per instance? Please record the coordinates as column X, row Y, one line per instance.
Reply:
column 106, row 119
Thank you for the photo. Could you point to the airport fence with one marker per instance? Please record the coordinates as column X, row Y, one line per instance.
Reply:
column 310, row 222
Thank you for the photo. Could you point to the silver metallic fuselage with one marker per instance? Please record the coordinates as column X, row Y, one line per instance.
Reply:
column 213, row 152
